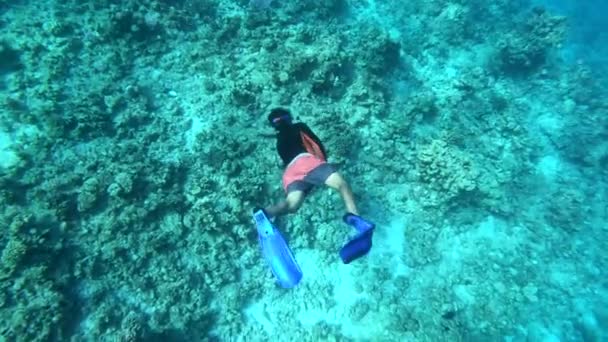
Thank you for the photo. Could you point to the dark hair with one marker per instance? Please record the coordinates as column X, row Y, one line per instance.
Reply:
column 279, row 118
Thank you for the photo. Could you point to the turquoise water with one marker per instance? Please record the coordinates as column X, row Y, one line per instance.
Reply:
column 473, row 133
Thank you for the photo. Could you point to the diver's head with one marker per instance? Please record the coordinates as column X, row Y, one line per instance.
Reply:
column 280, row 118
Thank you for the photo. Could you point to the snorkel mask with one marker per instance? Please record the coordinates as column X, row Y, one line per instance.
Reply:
column 280, row 118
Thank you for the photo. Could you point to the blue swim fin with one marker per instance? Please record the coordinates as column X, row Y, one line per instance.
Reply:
column 361, row 243
column 277, row 252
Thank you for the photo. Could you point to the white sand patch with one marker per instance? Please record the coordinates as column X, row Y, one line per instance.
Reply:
column 491, row 235
column 317, row 272
column 310, row 302
column 196, row 127
column 20, row 136
column 549, row 166
column 389, row 247
column 548, row 122
column 8, row 157
column 257, row 312
column 268, row 311
column 491, row 238
column 350, row 285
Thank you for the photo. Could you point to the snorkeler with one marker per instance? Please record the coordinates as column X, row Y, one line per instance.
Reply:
column 305, row 161
column 306, row 166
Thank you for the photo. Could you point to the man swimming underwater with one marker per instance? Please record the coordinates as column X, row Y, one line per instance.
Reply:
column 305, row 161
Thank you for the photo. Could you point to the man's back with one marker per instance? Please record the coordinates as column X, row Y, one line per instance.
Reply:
column 296, row 139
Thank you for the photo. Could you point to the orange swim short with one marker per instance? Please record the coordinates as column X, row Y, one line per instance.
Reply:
column 306, row 171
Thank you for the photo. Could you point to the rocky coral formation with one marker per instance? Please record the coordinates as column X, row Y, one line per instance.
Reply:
column 128, row 211
column 567, row 209
column 448, row 171
column 529, row 47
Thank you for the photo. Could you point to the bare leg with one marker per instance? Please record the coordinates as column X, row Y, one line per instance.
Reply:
column 290, row 205
column 335, row 181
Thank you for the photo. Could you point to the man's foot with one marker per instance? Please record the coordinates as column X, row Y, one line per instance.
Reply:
column 359, row 223
column 256, row 209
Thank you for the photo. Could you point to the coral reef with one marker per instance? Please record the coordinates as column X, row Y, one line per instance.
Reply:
column 528, row 48
column 448, row 171
column 138, row 149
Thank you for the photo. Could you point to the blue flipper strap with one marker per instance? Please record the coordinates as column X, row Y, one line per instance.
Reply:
column 358, row 222
column 361, row 244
